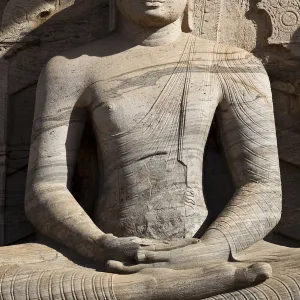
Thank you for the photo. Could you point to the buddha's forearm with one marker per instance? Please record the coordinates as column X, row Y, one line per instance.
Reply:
column 54, row 212
column 252, row 213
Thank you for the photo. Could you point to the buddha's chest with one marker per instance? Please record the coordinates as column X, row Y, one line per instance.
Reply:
column 157, row 99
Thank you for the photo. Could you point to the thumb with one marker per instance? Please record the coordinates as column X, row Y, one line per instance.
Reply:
column 117, row 267
column 143, row 256
column 253, row 274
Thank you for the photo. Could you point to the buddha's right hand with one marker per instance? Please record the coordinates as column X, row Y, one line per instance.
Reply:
column 207, row 281
column 125, row 249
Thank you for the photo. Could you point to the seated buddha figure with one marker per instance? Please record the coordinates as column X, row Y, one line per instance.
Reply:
column 150, row 91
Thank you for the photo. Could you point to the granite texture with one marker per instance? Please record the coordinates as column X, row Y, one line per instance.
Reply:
column 149, row 154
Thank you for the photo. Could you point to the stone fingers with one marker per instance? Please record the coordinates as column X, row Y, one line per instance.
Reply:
column 143, row 256
column 226, row 277
column 207, row 281
column 166, row 246
column 118, row 267
column 252, row 274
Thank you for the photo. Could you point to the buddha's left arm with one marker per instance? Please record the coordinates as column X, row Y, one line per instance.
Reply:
column 249, row 141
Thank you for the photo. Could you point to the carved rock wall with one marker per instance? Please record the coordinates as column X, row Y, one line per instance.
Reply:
column 34, row 31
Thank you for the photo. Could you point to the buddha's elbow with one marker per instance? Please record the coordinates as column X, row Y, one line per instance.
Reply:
column 274, row 219
column 268, row 198
column 36, row 201
column 277, row 216
column 275, row 205
column 31, row 203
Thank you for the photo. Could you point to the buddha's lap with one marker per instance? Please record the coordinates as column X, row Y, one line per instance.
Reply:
column 284, row 284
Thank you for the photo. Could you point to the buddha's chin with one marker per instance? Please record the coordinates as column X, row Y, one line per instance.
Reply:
column 154, row 18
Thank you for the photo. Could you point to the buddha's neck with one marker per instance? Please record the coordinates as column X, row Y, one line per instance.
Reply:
column 153, row 36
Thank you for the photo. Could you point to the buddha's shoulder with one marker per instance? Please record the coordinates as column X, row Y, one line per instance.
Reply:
column 81, row 54
column 86, row 57
column 64, row 64
column 223, row 53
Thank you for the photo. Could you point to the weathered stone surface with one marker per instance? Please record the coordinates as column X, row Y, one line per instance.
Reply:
column 43, row 38
column 147, row 196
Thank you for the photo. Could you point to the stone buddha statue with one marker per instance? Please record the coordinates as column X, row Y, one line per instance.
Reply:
column 150, row 91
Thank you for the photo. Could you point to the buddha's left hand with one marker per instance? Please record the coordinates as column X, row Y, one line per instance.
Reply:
column 192, row 256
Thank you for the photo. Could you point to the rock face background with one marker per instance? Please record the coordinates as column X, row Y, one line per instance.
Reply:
column 33, row 31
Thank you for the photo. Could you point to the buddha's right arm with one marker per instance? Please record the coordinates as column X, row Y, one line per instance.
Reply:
column 59, row 119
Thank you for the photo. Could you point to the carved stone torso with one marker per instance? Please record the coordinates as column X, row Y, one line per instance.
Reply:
column 151, row 115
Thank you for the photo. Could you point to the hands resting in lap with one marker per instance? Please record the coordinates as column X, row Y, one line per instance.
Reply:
column 206, row 258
